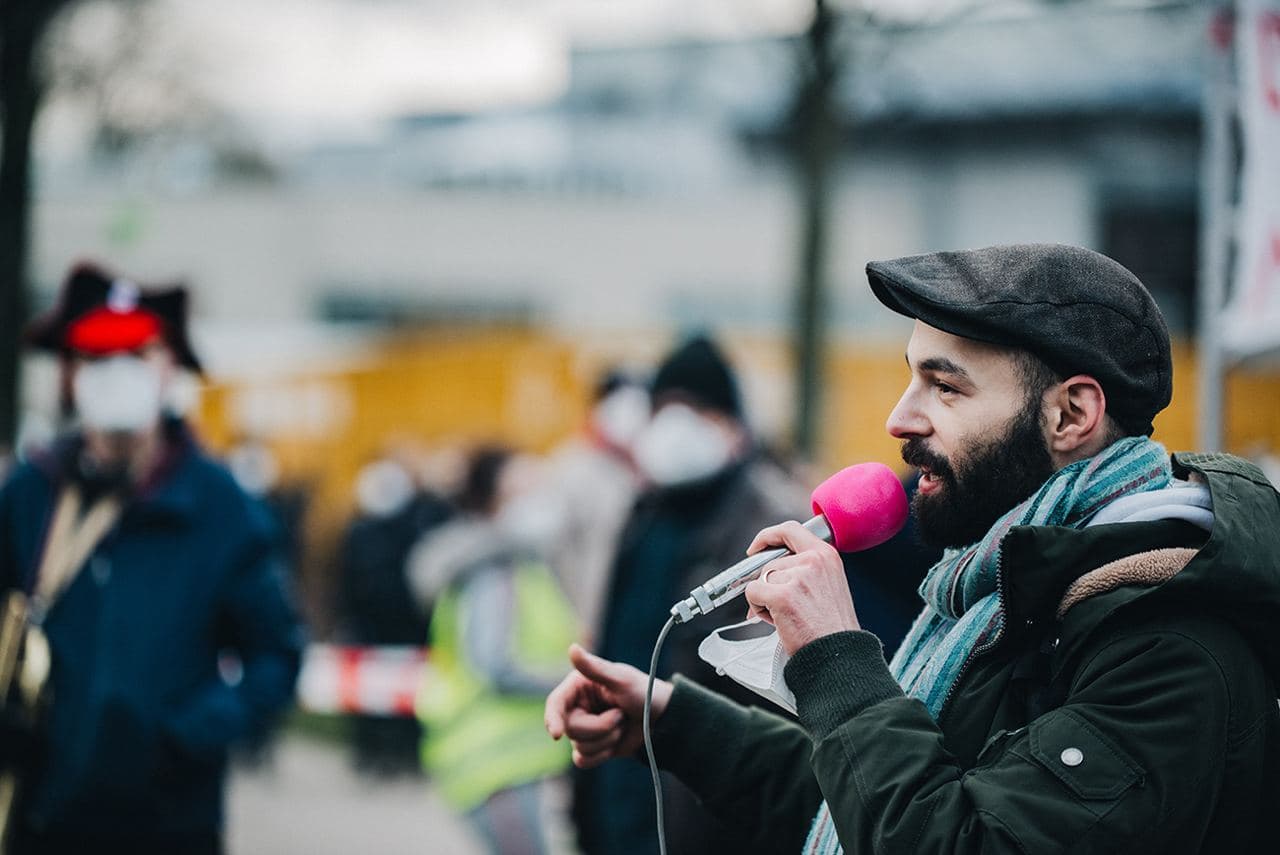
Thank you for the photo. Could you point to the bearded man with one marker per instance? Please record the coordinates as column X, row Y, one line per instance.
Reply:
column 1095, row 666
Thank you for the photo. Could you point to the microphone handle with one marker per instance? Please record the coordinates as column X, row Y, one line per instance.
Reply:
column 730, row 583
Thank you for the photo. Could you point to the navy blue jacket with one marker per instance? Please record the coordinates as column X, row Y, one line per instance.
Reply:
column 142, row 716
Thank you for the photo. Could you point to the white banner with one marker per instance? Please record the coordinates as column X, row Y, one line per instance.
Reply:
column 1252, row 319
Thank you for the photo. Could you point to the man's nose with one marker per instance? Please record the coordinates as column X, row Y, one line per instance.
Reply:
column 906, row 420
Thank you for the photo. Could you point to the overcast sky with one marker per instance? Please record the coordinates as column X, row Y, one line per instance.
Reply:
column 298, row 69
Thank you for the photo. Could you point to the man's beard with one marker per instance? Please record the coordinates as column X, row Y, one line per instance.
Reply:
column 992, row 477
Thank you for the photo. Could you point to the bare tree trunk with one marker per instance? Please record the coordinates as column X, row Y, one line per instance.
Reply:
column 23, row 25
column 814, row 154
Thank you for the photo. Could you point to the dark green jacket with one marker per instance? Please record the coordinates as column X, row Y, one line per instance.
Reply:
column 1142, row 720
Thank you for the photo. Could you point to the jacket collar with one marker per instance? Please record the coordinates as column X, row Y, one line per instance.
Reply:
column 1235, row 574
column 1047, row 559
column 1232, row 573
column 169, row 492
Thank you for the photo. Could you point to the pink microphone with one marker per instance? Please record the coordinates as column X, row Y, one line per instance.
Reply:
column 857, row 508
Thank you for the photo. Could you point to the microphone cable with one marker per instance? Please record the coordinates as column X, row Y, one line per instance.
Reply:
column 648, row 737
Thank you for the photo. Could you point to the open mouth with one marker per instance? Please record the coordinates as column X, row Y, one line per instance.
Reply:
column 929, row 482
column 915, row 453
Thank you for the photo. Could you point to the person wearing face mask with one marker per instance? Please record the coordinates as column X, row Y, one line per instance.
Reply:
column 591, row 484
column 141, row 564
column 709, row 488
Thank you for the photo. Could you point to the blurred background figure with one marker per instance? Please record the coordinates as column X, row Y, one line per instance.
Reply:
column 145, row 563
column 708, row 491
column 374, row 605
column 590, row 486
column 256, row 469
column 500, row 629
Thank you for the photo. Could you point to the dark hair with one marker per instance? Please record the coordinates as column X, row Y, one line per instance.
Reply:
column 611, row 381
column 480, row 485
column 1037, row 377
column 1035, row 374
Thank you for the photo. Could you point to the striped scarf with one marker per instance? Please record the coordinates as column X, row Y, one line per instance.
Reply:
column 963, row 612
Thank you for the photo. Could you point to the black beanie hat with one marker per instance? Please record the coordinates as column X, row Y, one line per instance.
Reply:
column 698, row 371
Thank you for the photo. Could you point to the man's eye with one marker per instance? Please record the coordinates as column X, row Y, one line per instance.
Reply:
column 943, row 388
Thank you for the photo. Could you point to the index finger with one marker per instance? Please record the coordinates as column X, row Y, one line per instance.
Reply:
column 760, row 595
column 559, row 701
column 791, row 534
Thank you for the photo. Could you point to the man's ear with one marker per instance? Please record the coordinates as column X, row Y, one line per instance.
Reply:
column 1075, row 417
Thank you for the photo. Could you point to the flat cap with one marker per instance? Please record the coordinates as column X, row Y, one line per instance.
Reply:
column 1077, row 310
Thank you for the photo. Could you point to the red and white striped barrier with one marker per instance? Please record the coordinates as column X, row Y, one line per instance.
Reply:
column 366, row 680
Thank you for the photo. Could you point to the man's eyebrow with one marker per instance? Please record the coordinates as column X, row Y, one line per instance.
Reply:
column 941, row 364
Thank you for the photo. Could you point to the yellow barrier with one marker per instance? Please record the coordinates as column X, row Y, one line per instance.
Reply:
column 529, row 388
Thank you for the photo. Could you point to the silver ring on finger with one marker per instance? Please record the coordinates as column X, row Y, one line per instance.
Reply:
column 767, row 571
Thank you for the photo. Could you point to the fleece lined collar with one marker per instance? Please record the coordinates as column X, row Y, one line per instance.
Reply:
column 1145, row 568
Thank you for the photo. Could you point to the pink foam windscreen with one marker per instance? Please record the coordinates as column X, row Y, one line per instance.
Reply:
column 865, row 505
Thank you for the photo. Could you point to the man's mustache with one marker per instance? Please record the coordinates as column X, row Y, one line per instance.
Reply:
column 916, row 453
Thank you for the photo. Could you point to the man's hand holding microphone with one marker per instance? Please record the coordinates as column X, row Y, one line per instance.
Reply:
column 802, row 591
column 804, row 594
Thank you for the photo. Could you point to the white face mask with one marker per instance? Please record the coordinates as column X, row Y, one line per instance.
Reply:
column 383, row 488
column 622, row 415
column 254, row 468
column 533, row 520
column 678, row 446
column 119, row 393
column 752, row 654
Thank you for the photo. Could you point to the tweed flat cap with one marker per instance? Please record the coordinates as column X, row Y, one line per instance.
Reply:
column 1077, row 310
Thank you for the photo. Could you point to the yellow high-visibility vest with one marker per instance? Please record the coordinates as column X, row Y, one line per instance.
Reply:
column 478, row 741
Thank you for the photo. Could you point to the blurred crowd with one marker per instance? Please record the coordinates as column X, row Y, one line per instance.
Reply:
column 164, row 583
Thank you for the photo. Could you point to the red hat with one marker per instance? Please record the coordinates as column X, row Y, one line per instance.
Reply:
column 98, row 313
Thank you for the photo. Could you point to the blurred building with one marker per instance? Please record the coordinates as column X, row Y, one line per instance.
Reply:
column 513, row 251
column 656, row 189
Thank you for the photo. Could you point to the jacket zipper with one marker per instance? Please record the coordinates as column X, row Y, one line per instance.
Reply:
column 982, row 649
